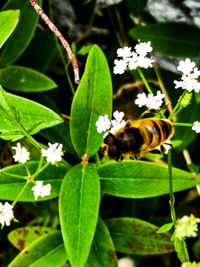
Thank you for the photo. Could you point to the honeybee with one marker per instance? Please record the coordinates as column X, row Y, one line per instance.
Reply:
column 137, row 138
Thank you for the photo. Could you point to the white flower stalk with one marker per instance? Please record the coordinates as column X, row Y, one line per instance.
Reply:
column 22, row 154
column 6, row 213
column 133, row 60
column 53, row 154
column 187, row 227
column 40, row 190
column 189, row 77
column 196, row 126
column 150, row 101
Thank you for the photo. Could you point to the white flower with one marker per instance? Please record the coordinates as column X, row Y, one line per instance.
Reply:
column 103, row 124
column 6, row 213
column 117, row 122
column 187, row 227
column 124, row 52
column 120, row 66
column 125, row 262
column 133, row 60
column 143, row 48
column 54, row 153
column 41, row 190
column 150, row 101
column 190, row 73
column 196, row 126
column 22, row 154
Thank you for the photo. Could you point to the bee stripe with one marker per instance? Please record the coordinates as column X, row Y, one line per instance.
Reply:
column 158, row 130
column 165, row 129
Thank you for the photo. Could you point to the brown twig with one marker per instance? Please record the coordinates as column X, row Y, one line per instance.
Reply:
column 65, row 44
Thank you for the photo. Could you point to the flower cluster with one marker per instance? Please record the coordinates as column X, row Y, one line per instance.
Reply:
column 105, row 125
column 150, row 101
column 187, row 227
column 41, row 190
column 196, row 126
column 6, row 213
column 53, row 154
column 133, row 60
column 189, row 77
column 22, row 154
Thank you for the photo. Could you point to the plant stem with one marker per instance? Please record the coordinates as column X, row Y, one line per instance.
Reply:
column 184, row 124
column 40, row 170
column 61, row 54
column 20, row 193
column 171, row 194
column 144, row 80
column 174, row 111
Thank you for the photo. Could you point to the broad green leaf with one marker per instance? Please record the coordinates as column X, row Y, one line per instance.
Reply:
column 8, row 22
column 181, row 249
column 173, row 39
column 16, row 112
column 135, row 236
column 139, row 179
column 12, row 182
column 92, row 99
column 23, row 33
column 102, row 253
column 24, row 236
column 22, row 79
column 78, row 209
column 47, row 250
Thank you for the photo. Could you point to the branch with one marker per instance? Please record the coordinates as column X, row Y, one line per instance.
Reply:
column 65, row 44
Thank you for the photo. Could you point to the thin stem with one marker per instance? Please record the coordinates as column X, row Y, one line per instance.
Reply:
column 14, row 175
column 40, row 170
column 20, row 193
column 61, row 54
column 97, row 159
column 171, row 194
column 176, row 108
column 65, row 44
column 184, row 124
column 144, row 80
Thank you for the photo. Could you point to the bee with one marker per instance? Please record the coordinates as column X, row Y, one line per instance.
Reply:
column 137, row 138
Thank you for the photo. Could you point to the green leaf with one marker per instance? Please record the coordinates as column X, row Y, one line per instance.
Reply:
column 139, row 179
column 48, row 251
column 165, row 228
column 78, row 209
column 23, row 33
column 16, row 112
column 92, row 99
column 181, row 250
column 135, row 236
column 22, row 79
column 11, row 182
column 24, row 236
column 173, row 39
column 84, row 50
column 8, row 22
column 102, row 253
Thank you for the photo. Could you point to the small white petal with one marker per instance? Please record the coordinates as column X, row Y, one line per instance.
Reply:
column 41, row 190
column 53, row 154
column 6, row 214
column 124, row 52
column 120, row 66
column 196, row 126
column 103, row 124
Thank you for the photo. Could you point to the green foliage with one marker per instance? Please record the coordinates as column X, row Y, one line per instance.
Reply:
column 8, row 22
column 173, row 39
column 79, row 205
column 13, row 179
column 139, row 179
column 103, row 208
column 23, row 79
column 95, row 88
column 138, row 237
